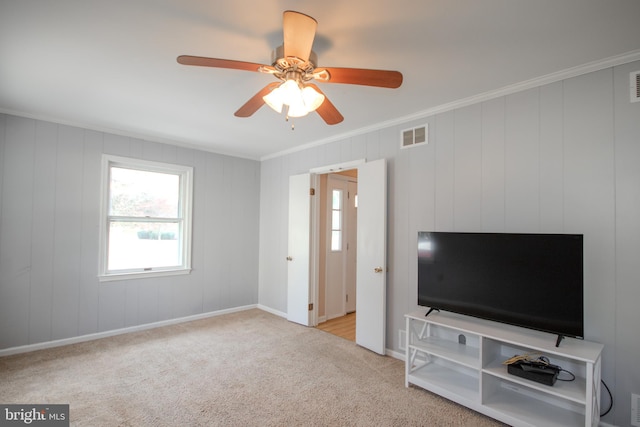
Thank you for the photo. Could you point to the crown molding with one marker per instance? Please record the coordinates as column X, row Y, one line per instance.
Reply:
column 486, row 96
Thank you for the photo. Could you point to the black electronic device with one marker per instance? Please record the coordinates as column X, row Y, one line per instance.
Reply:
column 535, row 371
column 529, row 280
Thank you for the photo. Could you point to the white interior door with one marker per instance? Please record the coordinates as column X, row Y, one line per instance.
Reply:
column 337, row 188
column 299, row 294
column 352, row 248
column 371, row 292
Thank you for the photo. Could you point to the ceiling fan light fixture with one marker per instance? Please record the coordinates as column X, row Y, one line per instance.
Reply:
column 297, row 108
column 274, row 99
column 312, row 99
column 300, row 101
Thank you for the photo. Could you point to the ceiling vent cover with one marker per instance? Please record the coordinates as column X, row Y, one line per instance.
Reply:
column 414, row 136
column 635, row 86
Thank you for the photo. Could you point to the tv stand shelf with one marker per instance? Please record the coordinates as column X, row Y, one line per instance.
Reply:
column 460, row 358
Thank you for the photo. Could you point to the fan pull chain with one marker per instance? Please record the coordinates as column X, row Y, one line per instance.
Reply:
column 286, row 117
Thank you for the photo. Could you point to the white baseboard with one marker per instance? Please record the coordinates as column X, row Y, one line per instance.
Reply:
column 90, row 337
column 272, row 311
column 395, row 354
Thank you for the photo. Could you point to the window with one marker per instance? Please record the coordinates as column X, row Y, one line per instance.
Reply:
column 336, row 220
column 145, row 219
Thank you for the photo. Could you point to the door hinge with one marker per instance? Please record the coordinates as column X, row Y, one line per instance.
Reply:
column 312, row 191
column 311, row 307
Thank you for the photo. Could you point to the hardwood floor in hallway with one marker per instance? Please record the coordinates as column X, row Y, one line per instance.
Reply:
column 344, row 327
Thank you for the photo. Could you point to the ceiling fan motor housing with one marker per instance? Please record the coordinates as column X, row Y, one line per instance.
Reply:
column 285, row 65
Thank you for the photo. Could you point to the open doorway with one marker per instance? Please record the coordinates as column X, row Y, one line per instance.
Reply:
column 338, row 253
column 304, row 252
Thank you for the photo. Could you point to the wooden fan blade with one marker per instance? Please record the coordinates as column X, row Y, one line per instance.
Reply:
column 299, row 31
column 359, row 76
column 219, row 63
column 254, row 104
column 327, row 110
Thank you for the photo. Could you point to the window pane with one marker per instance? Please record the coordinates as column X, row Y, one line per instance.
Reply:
column 335, row 220
column 143, row 193
column 337, row 199
column 139, row 245
column 336, row 240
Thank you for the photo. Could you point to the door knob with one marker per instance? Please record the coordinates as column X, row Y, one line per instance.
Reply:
column 378, row 269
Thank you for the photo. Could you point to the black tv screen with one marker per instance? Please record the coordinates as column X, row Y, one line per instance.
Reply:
column 529, row 280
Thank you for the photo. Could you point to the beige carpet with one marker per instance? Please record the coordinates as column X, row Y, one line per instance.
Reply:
column 242, row 369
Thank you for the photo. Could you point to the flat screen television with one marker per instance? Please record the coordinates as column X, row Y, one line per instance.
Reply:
column 529, row 280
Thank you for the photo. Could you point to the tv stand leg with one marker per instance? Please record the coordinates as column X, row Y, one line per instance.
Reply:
column 560, row 338
column 430, row 310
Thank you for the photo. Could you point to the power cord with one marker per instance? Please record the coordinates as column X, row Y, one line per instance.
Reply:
column 610, row 399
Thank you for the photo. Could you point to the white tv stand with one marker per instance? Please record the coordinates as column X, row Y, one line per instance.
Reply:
column 472, row 374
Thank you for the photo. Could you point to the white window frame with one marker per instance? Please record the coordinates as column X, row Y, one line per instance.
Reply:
column 340, row 211
column 185, row 213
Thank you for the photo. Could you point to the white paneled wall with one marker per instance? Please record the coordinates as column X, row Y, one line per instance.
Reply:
column 49, row 218
column 563, row 157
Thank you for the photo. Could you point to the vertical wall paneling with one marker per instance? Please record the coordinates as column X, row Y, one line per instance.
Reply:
column 332, row 153
column 152, row 151
column 551, row 158
column 243, row 182
column 89, row 245
column 467, row 153
column 117, row 145
column 493, row 165
column 627, row 177
column 358, row 147
column 67, row 232
column 136, row 148
column 398, row 224
column 213, row 246
column 198, row 259
column 229, row 218
column 43, row 237
column 49, row 223
column 3, row 129
column 589, row 193
column 148, row 304
column 272, row 246
column 444, row 172
column 132, row 303
column 522, row 162
column 372, row 146
column 166, row 296
column 16, row 231
column 3, row 279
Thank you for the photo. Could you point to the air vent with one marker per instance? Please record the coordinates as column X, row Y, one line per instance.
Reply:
column 635, row 86
column 414, row 136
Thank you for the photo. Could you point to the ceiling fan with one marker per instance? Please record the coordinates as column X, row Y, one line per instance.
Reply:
column 294, row 65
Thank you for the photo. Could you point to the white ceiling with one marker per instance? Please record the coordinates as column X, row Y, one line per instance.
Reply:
column 111, row 65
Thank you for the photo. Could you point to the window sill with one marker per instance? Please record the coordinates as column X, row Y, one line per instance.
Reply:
column 142, row 274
